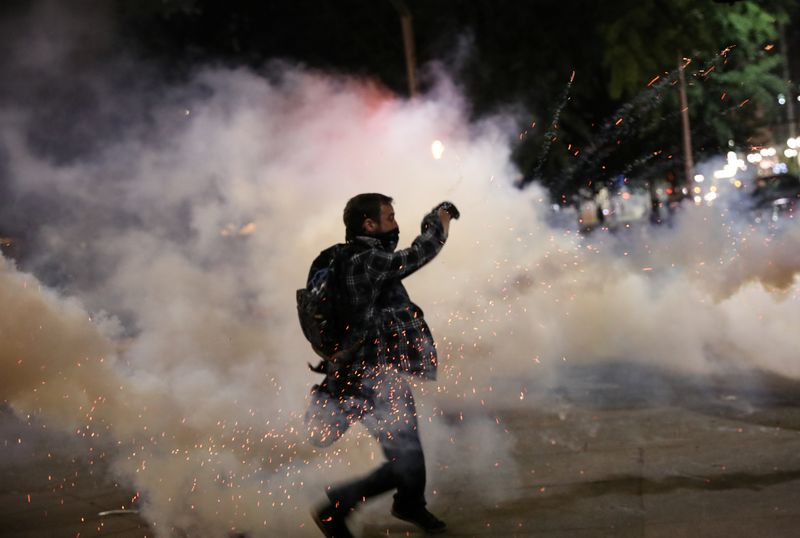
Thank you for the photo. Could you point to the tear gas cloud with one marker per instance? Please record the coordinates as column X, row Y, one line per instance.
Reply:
column 172, row 242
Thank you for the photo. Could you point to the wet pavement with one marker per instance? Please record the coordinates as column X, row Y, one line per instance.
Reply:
column 656, row 455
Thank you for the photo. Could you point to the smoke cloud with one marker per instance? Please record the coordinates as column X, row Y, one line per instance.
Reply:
column 166, row 227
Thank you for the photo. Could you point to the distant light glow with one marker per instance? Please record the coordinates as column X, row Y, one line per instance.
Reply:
column 699, row 178
column 754, row 158
column 437, row 149
column 789, row 152
column 729, row 170
column 780, row 168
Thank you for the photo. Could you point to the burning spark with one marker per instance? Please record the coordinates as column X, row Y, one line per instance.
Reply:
column 710, row 70
column 769, row 46
column 618, row 121
column 653, row 81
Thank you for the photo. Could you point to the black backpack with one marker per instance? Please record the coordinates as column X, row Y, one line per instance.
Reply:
column 318, row 305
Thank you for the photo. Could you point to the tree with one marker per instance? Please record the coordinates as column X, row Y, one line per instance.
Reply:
column 619, row 115
column 731, row 63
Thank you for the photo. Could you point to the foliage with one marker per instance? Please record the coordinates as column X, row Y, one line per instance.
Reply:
column 621, row 115
column 732, row 77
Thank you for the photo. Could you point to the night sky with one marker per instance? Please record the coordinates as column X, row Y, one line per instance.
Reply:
column 504, row 56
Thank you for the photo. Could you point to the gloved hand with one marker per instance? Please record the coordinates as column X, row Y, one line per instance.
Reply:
column 450, row 207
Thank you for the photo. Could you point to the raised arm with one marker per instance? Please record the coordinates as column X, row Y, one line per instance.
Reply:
column 382, row 265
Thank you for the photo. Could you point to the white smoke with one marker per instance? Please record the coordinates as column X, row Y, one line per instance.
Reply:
column 179, row 240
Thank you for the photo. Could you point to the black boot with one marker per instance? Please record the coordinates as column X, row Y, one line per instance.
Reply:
column 330, row 521
column 421, row 518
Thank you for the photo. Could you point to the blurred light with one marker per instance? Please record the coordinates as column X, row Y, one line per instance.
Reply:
column 626, row 195
column 792, row 143
column 730, row 143
column 711, row 196
column 768, row 152
column 698, row 190
column 766, row 165
column 247, row 229
column 713, row 188
column 734, row 162
column 437, row 148
column 738, row 184
column 780, row 168
column 781, row 99
column 789, row 152
column 698, row 200
column 699, row 178
column 726, row 172
column 754, row 157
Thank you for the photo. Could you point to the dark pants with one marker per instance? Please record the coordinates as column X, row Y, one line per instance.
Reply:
column 391, row 418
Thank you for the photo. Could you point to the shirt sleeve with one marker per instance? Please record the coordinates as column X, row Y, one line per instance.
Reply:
column 382, row 265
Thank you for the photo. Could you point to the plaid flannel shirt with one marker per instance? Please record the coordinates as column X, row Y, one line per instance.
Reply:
column 394, row 329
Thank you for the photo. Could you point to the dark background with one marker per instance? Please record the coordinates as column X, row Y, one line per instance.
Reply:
column 505, row 55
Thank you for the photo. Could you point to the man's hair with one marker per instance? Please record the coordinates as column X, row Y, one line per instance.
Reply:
column 362, row 207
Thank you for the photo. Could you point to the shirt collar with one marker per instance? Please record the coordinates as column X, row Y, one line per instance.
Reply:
column 370, row 241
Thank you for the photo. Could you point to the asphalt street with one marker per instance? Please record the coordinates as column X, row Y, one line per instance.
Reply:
column 650, row 456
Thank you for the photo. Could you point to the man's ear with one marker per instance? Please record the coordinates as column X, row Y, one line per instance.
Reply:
column 370, row 225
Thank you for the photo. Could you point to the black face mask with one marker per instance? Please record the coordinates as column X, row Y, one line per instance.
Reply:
column 388, row 239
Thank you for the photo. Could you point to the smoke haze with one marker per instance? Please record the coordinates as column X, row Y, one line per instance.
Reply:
column 166, row 228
